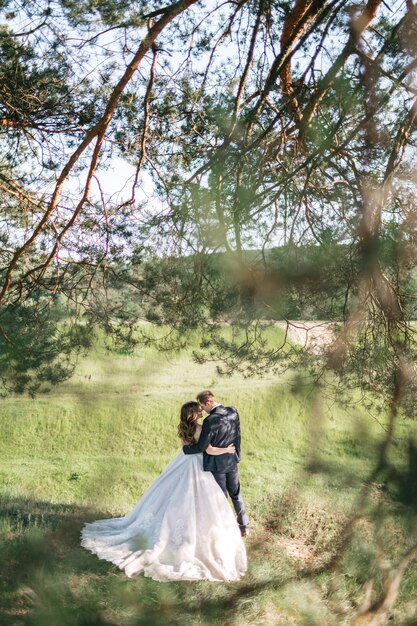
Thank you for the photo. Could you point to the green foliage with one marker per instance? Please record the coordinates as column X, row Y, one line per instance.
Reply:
column 108, row 12
column 38, row 347
column 252, row 186
column 32, row 94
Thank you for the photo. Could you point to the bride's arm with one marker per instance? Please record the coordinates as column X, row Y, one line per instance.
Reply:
column 216, row 451
column 212, row 450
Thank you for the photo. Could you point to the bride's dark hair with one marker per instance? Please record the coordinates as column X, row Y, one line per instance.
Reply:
column 188, row 422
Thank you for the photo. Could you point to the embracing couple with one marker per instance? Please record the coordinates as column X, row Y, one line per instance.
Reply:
column 183, row 528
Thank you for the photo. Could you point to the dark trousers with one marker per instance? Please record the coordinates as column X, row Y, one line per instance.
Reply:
column 229, row 484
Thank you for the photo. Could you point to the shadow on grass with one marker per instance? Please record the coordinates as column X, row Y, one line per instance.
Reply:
column 39, row 544
column 47, row 579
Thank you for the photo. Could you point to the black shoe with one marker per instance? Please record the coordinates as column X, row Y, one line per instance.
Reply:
column 245, row 532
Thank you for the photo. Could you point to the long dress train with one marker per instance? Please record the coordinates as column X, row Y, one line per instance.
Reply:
column 181, row 529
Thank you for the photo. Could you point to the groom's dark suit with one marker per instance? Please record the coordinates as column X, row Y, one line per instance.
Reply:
column 222, row 428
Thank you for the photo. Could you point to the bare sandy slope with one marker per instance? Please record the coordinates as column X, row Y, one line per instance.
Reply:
column 314, row 336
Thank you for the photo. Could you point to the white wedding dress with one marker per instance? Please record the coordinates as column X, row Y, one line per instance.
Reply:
column 181, row 529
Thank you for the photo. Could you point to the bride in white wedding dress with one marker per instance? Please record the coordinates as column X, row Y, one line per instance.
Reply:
column 182, row 528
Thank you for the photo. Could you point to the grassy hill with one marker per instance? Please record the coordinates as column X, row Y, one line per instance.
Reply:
column 90, row 448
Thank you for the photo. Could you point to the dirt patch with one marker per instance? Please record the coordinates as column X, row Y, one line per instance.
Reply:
column 297, row 548
column 308, row 532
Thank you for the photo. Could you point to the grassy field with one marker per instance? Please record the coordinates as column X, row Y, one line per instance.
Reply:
column 90, row 448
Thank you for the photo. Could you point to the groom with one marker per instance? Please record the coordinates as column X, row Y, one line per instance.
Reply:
column 221, row 428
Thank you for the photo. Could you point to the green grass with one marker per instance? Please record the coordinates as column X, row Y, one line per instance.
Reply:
column 90, row 448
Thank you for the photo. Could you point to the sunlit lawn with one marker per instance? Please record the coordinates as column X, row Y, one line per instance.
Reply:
column 90, row 448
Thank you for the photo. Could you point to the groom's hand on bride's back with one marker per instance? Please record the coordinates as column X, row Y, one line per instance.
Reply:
column 217, row 451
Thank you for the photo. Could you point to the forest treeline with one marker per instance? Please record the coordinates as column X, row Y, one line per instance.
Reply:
column 294, row 282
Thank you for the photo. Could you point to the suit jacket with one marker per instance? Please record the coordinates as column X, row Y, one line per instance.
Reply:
column 220, row 428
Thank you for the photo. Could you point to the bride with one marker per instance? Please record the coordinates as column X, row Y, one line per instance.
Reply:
column 182, row 528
